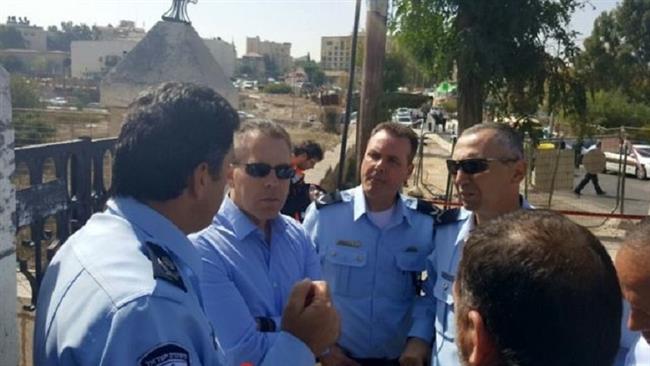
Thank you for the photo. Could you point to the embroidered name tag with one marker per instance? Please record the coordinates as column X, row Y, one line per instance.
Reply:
column 349, row 243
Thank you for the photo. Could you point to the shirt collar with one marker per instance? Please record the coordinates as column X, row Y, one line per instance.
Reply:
column 360, row 207
column 242, row 225
column 157, row 229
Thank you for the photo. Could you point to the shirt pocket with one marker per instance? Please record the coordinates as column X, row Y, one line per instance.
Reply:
column 410, row 265
column 344, row 269
column 442, row 291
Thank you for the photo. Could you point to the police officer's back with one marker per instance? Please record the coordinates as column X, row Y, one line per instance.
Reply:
column 124, row 289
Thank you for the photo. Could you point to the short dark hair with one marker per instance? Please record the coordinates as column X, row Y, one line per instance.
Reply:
column 168, row 131
column 401, row 131
column 309, row 147
column 510, row 138
column 546, row 289
column 263, row 127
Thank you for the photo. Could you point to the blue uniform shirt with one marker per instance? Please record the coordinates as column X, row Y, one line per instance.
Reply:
column 245, row 278
column 123, row 291
column 442, row 265
column 371, row 271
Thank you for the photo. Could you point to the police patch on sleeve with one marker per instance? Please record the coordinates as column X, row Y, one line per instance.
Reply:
column 166, row 355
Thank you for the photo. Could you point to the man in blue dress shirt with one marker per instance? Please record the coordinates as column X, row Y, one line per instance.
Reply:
column 633, row 266
column 373, row 242
column 252, row 255
column 535, row 289
column 124, row 289
column 487, row 167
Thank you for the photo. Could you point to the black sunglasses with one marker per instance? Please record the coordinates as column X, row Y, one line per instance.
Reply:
column 473, row 166
column 261, row 170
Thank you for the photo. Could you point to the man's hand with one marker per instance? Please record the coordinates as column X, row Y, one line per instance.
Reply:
column 415, row 353
column 310, row 316
column 336, row 357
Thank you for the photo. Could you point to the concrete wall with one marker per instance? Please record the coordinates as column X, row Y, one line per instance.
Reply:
column 96, row 57
column 8, row 331
column 224, row 53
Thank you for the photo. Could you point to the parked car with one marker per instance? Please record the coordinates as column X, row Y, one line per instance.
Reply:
column 637, row 161
column 404, row 120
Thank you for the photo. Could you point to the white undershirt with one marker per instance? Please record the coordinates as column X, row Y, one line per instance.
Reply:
column 381, row 218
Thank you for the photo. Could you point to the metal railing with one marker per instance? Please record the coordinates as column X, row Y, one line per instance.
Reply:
column 70, row 194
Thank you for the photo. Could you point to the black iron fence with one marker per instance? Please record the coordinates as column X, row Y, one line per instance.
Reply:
column 58, row 187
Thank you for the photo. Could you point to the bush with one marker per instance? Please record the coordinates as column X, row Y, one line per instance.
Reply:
column 277, row 89
column 32, row 129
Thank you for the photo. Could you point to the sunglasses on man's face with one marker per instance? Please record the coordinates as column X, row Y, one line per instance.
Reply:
column 473, row 166
column 261, row 170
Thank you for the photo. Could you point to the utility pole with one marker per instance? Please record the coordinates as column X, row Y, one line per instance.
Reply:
column 373, row 76
column 348, row 103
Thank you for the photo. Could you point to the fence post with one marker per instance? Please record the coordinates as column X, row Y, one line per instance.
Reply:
column 8, row 325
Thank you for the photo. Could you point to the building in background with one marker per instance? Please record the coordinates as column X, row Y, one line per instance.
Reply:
column 126, row 30
column 224, row 53
column 278, row 53
column 93, row 59
column 336, row 52
column 35, row 37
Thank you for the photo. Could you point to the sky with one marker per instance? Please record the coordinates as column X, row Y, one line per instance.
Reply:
column 301, row 22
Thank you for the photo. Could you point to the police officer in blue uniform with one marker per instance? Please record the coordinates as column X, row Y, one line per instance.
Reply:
column 124, row 289
column 487, row 167
column 373, row 242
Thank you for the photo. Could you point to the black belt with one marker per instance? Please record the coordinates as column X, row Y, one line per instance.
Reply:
column 377, row 361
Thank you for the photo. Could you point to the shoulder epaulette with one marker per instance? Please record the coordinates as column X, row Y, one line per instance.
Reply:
column 329, row 199
column 163, row 266
column 449, row 216
column 427, row 208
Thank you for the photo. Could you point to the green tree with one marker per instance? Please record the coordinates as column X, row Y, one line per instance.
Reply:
column 495, row 47
column 314, row 73
column 11, row 38
column 394, row 72
column 60, row 40
column 617, row 53
column 23, row 93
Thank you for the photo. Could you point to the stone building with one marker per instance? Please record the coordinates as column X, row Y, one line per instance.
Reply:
column 278, row 53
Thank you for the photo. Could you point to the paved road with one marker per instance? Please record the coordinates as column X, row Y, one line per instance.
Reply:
column 637, row 192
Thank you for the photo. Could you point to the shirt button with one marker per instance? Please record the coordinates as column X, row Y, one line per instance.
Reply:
column 275, row 284
column 445, row 286
column 359, row 258
column 333, row 253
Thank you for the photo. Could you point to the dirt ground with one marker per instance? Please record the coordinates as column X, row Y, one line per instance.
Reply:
column 293, row 113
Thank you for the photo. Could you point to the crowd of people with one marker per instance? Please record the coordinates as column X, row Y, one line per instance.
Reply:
column 194, row 263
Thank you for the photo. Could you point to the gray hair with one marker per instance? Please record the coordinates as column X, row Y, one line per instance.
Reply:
column 507, row 136
column 264, row 128
column 639, row 237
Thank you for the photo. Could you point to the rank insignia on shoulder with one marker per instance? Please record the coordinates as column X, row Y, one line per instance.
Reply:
column 448, row 216
column 166, row 354
column 163, row 266
column 427, row 208
column 329, row 199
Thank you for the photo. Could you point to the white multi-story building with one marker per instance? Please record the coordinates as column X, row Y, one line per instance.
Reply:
column 336, row 52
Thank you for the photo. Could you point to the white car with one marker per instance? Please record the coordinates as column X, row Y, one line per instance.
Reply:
column 404, row 120
column 638, row 161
